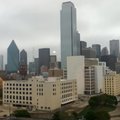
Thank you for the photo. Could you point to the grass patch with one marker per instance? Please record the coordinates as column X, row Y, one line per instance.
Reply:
column 96, row 109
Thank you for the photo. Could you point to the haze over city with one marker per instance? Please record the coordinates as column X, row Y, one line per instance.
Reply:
column 36, row 24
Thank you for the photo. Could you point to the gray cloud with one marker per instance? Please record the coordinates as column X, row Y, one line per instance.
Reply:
column 35, row 24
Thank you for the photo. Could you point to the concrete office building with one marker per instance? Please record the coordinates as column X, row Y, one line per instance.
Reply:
column 89, row 80
column 75, row 70
column 53, row 61
column 91, row 61
column 112, row 84
column 114, row 47
column 94, row 80
column 89, row 52
column 104, row 51
column 1, row 62
column 97, row 49
column 70, row 39
column 12, row 58
column 44, row 57
column 55, row 72
column 38, row 93
column 99, row 79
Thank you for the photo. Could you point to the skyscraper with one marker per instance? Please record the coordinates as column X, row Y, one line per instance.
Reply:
column 114, row 47
column 83, row 45
column 23, row 62
column 1, row 62
column 89, row 52
column 70, row 38
column 36, row 62
column 44, row 57
column 12, row 58
column 23, row 57
column 104, row 51
column 97, row 49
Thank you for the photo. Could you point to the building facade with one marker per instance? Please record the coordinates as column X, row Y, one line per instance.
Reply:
column 112, row 84
column 89, row 52
column 104, row 51
column 75, row 70
column 83, row 45
column 12, row 58
column 1, row 62
column 44, row 57
column 114, row 47
column 70, row 38
column 38, row 93
column 97, row 49
column 23, row 62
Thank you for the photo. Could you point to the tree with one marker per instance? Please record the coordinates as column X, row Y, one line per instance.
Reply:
column 102, row 115
column 90, row 115
column 21, row 113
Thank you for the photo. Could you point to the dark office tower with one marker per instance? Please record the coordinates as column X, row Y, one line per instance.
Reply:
column 110, row 60
column 23, row 62
column 83, row 45
column 104, row 51
column 117, row 67
column 32, row 68
column 44, row 57
column 36, row 61
column 12, row 58
column 114, row 47
column 53, row 61
column 89, row 52
column 97, row 49
column 69, row 33
column 23, row 57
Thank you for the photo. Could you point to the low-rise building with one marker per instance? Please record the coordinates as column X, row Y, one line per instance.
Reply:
column 112, row 83
column 38, row 93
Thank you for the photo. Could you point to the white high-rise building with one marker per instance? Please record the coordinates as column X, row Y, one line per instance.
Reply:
column 70, row 38
column 1, row 62
column 75, row 70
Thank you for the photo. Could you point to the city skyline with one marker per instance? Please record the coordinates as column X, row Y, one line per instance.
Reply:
column 97, row 23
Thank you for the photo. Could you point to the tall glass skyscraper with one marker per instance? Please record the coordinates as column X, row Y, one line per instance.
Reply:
column 97, row 49
column 44, row 57
column 23, row 63
column 12, row 58
column 114, row 47
column 1, row 62
column 69, row 35
column 23, row 57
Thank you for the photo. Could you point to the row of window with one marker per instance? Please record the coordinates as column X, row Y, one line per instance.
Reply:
column 13, row 92
column 43, row 108
column 18, row 102
column 18, row 97
column 66, row 87
column 65, row 91
column 10, row 88
column 65, row 100
column 13, row 84
column 67, row 95
column 69, row 83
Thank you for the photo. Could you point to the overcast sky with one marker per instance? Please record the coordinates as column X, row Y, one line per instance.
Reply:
column 35, row 24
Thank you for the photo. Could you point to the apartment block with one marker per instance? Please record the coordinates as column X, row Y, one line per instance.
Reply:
column 112, row 84
column 89, row 80
column 38, row 93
